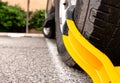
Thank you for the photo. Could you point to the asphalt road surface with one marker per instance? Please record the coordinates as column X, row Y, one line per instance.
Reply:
column 35, row 60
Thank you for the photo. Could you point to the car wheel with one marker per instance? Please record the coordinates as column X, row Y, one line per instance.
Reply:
column 49, row 23
column 48, row 32
column 61, row 7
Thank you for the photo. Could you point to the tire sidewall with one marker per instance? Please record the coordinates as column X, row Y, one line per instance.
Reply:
column 59, row 41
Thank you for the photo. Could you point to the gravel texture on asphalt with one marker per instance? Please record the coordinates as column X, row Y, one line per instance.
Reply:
column 32, row 60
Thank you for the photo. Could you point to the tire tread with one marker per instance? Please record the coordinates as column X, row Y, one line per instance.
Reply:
column 107, row 39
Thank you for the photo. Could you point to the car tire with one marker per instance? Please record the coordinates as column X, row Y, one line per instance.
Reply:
column 101, row 26
column 49, row 23
column 60, row 45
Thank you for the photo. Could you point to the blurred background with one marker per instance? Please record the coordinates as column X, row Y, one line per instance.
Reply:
column 13, row 15
column 34, row 4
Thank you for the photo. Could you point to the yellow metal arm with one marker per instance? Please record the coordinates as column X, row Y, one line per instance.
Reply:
column 89, row 58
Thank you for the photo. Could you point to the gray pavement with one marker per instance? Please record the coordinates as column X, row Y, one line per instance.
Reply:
column 34, row 60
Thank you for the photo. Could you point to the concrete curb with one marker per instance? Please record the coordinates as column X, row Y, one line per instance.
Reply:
column 20, row 35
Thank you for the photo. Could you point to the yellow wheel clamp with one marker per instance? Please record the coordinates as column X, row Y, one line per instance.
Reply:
column 89, row 58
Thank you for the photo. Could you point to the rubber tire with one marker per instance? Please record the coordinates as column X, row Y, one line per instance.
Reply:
column 51, row 33
column 106, row 29
column 60, row 45
column 49, row 11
